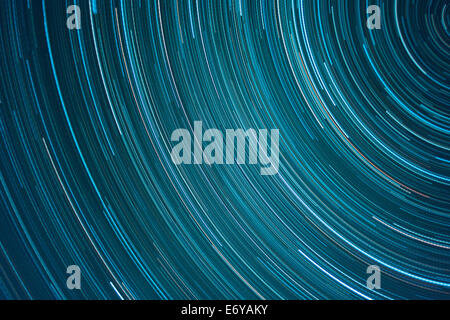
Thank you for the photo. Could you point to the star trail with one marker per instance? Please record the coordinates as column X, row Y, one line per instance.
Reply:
column 87, row 179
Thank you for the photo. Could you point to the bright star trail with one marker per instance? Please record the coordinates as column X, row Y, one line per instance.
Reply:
column 86, row 176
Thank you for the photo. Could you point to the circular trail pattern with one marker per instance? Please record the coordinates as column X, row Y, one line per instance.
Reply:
column 86, row 176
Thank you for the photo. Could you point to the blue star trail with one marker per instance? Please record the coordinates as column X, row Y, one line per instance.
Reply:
column 86, row 176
